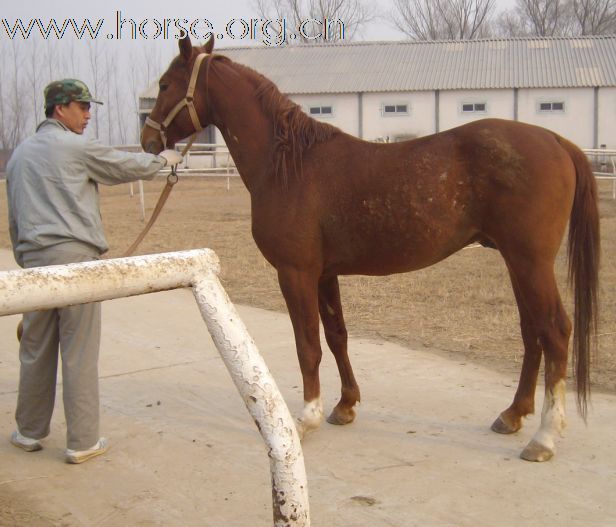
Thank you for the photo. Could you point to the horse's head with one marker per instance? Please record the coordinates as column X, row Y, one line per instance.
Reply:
column 180, row 110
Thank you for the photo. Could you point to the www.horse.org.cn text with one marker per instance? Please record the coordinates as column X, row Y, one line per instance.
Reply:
column 271, row 32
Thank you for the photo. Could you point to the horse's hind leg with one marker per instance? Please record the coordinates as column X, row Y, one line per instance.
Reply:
column 538, row 292
column 330, row 309
column 510, row 420
column 300, row 293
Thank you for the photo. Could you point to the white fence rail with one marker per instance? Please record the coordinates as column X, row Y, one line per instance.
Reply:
column 203, row 159
column 63, row 285
column 604, row 165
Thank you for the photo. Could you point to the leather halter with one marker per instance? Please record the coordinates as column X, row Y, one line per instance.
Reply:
column 172, row 178
column 186, row 101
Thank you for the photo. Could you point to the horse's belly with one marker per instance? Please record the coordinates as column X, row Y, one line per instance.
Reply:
column 388, row 252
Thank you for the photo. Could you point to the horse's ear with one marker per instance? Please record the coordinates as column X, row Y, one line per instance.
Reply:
column 209, row 44
column 185, row 47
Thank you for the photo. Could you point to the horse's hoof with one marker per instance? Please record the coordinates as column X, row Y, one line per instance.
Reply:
column 535, row 451
column 500, row 426
column 503, row 425
column 341, row 417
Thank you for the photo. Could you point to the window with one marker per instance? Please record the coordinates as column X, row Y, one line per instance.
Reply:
column 395, row 109
column 321, row 111
column 474, row 107
column 554, row 106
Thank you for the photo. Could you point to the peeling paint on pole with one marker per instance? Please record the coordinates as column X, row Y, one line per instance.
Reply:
column 64, row 285
column 79, row 283
column 263, row 400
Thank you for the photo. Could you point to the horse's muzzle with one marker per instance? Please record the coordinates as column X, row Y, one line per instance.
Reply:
column 151, row 146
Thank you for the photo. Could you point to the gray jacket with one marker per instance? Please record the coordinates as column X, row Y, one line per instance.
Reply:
column 52, row 187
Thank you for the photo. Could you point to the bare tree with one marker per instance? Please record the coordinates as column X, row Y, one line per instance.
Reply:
column 110, row 63
column 68, row 59
column 34, row 78
column 313, row 21
column 4, row 115
column 18, row 110
column 98, row 78
column 546, row 18
column 418, row 19
column 121, row 115
column 443, row 19
column 538, row 18
column 144, row 66
column 510, row 24
column 594, row 17
column 137, row 84
column 550, row 18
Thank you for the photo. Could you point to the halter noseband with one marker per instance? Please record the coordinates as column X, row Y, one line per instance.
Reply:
column 186, row 101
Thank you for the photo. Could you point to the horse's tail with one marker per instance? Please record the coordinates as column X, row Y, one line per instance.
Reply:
column 583, row 252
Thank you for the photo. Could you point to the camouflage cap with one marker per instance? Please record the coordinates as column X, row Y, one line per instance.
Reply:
column 66, row 90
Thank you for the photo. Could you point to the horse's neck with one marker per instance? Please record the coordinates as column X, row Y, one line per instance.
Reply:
column 246, row 129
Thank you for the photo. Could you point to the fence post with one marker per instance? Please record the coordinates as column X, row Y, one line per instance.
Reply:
column 64, row 285
column 263, row 400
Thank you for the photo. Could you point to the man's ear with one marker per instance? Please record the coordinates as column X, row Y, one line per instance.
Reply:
column 58, row 110
column 185, row 47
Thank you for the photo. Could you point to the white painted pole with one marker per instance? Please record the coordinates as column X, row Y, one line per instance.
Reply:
column 263, row 400
column 141, row 199
column 79, row 283
column 64, row 285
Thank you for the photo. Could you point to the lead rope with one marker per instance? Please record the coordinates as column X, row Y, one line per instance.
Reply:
column 172, row 179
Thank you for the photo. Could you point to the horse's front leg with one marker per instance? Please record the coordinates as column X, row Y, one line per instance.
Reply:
column 300, row 291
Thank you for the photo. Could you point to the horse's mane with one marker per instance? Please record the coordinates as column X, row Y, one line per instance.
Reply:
column 294, row 131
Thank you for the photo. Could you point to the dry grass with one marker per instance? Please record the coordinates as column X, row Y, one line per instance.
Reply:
column 462, row 307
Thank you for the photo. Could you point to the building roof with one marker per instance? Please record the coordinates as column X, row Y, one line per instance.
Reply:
column 440, row 65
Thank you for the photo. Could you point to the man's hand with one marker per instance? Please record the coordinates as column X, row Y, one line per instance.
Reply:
column 172, row 157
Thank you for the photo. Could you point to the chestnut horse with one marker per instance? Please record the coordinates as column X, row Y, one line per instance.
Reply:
column 325, row 203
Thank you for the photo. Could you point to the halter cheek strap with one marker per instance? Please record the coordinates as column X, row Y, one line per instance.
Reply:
column 161, row 127
column 186, row 101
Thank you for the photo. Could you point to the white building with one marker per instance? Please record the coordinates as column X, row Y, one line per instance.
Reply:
column 396, row 90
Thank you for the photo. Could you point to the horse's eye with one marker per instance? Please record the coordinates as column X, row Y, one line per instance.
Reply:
column 162, row 87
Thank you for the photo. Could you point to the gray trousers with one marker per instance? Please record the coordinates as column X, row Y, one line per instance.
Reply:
column 75, row 331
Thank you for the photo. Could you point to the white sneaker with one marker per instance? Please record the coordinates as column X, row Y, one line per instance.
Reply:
column 25, row 443
column 79, row 456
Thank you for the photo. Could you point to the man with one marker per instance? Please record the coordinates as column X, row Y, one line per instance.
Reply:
column 54, row 218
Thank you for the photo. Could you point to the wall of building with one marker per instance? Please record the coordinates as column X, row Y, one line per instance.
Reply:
column 498, row 103
column 607, row 117
column 575, row 122
column 344, row 107
column 419, row 120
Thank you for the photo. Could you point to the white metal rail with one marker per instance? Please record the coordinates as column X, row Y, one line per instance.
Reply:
column 63, row 285
column 605, row 160
column 207, row 150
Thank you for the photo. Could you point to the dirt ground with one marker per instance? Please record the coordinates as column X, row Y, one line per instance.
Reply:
column 463, row 307
column 185, row 452
column 420, row 453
